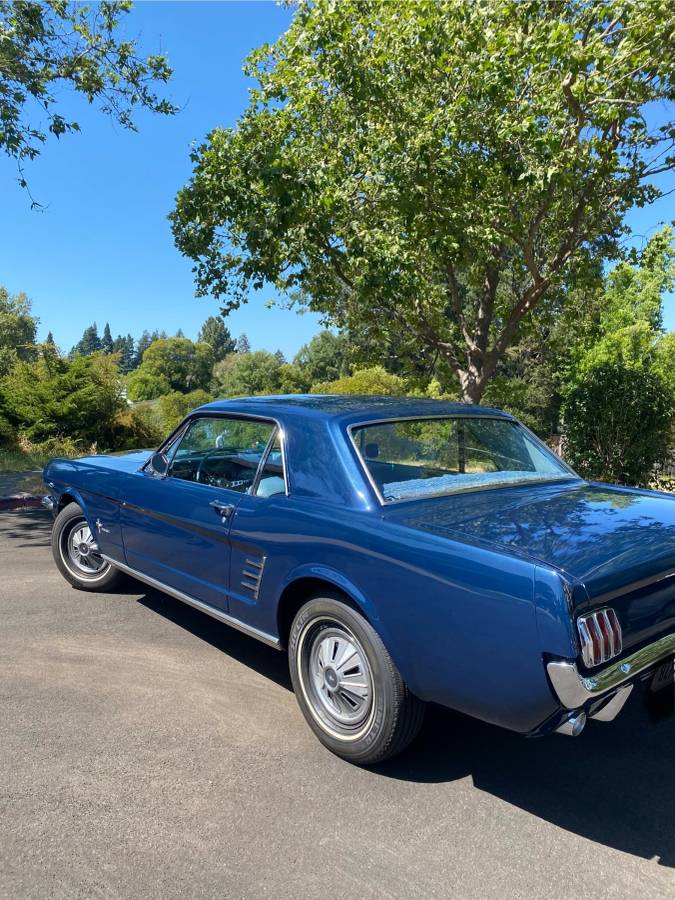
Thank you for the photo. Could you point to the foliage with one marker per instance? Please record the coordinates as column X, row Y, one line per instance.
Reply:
column 106, row 340
column 324, row 358
column 364, row 381
column 243, row 345
column 8, row 435
column 293, row 379
column 54, row 397
column 89, row 343
column 144, row 342
column 17, row 329
column 48, row 46
column 436, row 170
column 617, row 422
column 124, row 346
column 245, row 374
column 137, row 427
column 175, row 406
column 664, row 361
column 146, row 386
column 215, row 333
column 172, row 364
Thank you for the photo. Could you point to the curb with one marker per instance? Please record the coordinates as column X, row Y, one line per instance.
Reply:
column 20, row 501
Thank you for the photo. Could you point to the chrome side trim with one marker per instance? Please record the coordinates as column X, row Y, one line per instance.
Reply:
column 263, row 636
column 573, row 689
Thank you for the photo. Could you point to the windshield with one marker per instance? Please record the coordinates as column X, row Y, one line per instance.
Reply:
column 416, row 458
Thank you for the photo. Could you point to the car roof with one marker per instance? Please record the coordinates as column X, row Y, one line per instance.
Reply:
column 349, row 409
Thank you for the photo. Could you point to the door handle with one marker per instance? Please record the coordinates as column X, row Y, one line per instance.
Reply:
column 223, row 509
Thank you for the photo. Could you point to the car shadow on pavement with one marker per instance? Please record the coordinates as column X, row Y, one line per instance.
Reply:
column 614, row 784
column 246, row 650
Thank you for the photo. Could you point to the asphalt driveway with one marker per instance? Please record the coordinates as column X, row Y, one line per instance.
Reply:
column 146, row 750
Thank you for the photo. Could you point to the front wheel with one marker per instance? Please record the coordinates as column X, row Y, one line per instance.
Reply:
column 347, row 685
column 76, row 553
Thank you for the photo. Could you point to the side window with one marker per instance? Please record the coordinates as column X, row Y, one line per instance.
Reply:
column 221, row 452
column 271, row 479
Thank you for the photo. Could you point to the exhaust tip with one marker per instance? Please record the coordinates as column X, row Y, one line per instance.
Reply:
column 573, row 726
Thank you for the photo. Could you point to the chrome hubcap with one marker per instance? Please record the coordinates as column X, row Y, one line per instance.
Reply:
column 83, row 552
column 341, row 678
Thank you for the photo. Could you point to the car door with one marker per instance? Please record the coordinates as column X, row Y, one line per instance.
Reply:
column 259, row 539
column 176, row 527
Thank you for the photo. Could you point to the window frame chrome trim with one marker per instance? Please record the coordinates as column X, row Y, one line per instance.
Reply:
column 179, row 432
column 503, row 418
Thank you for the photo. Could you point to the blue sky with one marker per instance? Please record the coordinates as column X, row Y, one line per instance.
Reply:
column 102, row 249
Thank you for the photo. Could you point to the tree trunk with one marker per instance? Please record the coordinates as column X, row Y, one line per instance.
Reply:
column 471, row 386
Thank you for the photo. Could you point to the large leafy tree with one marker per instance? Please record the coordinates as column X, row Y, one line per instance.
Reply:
column 18, row 328
column 172, row 364
column 429, row 174
column 54, row 44
column 244, row 374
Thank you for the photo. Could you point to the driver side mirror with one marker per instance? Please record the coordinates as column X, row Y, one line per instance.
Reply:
column 159, row 464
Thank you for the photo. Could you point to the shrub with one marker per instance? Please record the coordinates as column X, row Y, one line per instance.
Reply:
column 174, row 407
column 136, row 428
column 617, row 423
column 364, row 381
column 52, row 397
column 8, row 435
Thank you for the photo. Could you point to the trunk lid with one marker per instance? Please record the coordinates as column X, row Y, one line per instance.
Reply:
column 619, row 543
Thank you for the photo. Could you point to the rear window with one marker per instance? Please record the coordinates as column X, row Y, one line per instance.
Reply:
column 418, row 458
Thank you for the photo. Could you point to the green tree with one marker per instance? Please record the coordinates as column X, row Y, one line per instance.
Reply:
column 171, row 364
column 106, row 340
column 324, row 357
column 55, row 44
column 56, row 397
column 124, row 346
column 50, row 338
column 18, row 328
column 215, row 332
column 434, row 170
column 293, row 379
column 246, row 374
column 242, row 344
column 89, row 343
column 175, row 406
column 617, row 422
column 375, row 380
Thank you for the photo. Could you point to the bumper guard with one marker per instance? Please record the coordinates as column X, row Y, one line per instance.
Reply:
column 574, row 690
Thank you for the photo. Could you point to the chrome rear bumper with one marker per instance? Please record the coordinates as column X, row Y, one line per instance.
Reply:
column 574, row 690
column 48, row 503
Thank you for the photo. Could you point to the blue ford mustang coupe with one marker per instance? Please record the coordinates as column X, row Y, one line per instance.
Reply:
column 401, row 550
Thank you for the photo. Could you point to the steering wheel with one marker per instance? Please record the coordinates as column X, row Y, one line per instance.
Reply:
column 202, row 476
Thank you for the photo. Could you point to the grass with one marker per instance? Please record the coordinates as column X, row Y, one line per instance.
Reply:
column 21, row 461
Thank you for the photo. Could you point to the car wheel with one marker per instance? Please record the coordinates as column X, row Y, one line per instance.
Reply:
column 76, row 553
column 347, row 684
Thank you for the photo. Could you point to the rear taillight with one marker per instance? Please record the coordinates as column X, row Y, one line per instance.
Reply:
column 600, row 635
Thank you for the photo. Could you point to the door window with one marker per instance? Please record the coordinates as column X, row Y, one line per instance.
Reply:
column 221, row 452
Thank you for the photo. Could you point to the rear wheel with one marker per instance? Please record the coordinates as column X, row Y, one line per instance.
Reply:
column 347, row 685
column 77, row 555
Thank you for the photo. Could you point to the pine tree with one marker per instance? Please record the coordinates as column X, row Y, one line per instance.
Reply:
column 89, row 343
column 243, row 344
column 50, row 338
column 106, row 340
column 180, row 333
column 144, row 342
column 217, row 335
